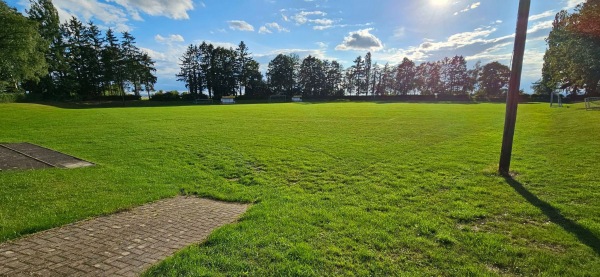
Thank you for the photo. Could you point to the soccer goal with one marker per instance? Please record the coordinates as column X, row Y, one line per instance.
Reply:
column 280, row 98
column 555, row 97
column 592, row 103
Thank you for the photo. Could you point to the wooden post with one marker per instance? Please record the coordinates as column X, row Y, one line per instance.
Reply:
column 513, row 87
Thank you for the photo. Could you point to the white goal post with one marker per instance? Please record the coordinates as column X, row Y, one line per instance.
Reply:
column 555, row 96
column 592, row 103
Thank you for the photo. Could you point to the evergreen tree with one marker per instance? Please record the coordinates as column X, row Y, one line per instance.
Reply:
column 91, row 53
column 405, row 77
column 242, row 59
column 334, row 78
column 206, row 66
column 311, row 78
column 191, row 71
column 76, row 76
column 255, row 85
column 223, row 72
column 281, row 74
column 358, row 75
column 456, row 77
column 111, row 62
column 367, row 72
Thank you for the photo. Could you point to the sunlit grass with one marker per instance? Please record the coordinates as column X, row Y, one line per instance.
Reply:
column 338, row 188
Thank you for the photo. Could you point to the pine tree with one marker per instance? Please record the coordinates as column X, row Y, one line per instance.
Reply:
column 111, row 60
column 242, row 59
column 191, row 70
column 405, row 77
column 367, row 72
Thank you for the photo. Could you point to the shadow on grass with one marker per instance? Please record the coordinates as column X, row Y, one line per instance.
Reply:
column 116, row 104
column 584, row 235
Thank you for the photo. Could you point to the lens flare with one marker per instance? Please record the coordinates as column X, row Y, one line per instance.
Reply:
column 439, row 3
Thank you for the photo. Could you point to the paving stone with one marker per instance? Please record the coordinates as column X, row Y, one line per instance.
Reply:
column 123, row 244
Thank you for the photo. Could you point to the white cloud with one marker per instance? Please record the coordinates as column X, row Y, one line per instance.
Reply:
column 167, row 60
column 264, row 30
column 225, row 45
column 85, row 11
column 468, row 8
column 323, row 21
column 265, row 58
column 169, row 39
column 270, row 27
column 240, row 25
column 545, row 14
column 277, row 27
column 459, row 40
column 116, row 13
column 478, row 37
column 302, row 17
column 544, row 25
column 573, row 3
column 361, row 40
column 175, row 9
column 322, row 27
column 499, row 52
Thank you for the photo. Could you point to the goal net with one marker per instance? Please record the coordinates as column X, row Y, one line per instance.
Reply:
column 592, row 103
column 277, row 98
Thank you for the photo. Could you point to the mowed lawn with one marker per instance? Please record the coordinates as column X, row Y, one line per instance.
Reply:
column 337, row 188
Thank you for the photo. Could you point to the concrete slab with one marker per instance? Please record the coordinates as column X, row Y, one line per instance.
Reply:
column 31, row 156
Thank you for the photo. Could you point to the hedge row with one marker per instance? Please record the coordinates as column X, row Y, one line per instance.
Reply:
column 12, row 97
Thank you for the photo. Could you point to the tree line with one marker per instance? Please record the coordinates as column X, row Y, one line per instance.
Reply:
column 219, row 72
column 73, row 59
column 573, row 54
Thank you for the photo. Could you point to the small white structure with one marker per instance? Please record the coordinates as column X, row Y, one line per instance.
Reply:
column 228, row 100
column 297, row 98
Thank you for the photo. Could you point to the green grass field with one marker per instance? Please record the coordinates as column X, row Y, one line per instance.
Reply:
column 338, row 188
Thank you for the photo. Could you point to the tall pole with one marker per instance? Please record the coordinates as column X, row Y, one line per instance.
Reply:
column 513, row 87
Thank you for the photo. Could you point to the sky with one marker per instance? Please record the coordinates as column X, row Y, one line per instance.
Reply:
column 422, row 30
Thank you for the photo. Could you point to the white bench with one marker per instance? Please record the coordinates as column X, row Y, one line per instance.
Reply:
column 228, row 100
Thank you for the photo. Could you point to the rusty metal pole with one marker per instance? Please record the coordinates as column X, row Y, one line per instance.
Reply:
column 512, row 98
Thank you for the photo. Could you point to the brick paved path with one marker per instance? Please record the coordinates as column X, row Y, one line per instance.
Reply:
column 123, row 244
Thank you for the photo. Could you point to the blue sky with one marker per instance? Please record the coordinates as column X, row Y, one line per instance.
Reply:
column 423, row 30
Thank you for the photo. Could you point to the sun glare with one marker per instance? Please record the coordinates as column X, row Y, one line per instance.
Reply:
column 439, row 3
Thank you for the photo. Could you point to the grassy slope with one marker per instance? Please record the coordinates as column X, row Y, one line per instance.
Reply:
column 348, row 188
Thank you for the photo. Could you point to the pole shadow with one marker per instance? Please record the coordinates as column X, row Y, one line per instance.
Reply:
column 584, row 235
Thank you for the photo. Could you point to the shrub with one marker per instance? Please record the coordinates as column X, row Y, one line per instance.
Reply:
column 186, row 96
column 166, row 96
column 11, row 97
